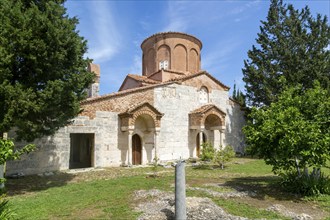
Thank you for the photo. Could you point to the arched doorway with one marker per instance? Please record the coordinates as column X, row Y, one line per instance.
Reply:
column 198, row 144
column 136, row 150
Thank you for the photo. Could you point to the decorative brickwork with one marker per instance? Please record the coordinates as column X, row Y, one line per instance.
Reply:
column 198, row 117
column 129, row 117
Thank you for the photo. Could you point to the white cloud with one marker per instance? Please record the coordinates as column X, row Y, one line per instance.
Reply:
column 106, row 37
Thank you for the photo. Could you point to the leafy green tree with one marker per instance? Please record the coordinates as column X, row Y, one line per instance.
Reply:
column 43, row 73
column 291, row 44
column 223, row 156
column 293, row 133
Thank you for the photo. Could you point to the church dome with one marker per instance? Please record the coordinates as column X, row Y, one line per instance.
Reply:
column 173, row 51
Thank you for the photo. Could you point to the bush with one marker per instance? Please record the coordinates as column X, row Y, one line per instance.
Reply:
column 224, row 155
column 306, row 184
column 208, row 152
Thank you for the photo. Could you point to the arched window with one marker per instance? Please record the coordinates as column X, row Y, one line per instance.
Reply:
column 203, row 95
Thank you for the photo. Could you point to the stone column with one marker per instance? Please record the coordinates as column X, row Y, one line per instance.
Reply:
column 156, row 134
column 180, row 191
column 129, row 151
column 222, row 136
column 200, row 139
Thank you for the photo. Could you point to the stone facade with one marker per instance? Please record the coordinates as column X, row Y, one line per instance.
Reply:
column 165, row 113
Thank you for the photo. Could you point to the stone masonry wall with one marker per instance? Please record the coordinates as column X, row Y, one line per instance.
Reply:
column 176, row 139
column 53, row 152
column 175, row 102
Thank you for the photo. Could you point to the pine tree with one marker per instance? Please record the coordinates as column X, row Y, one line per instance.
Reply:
column 291, row 44
column 43, row 73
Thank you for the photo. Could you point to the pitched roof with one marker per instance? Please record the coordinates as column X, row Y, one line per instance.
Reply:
column 133, row 108
column 123, row 92
column 167, row 71
column 177, row 80
column 142, row 79
column 184, row 78
column 205, row 108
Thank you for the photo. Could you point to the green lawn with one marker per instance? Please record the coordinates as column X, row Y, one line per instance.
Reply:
column 108, row 194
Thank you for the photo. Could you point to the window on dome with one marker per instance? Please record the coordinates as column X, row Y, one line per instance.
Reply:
column 163, row 64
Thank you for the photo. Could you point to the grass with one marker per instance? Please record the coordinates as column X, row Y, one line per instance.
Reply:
column 108, row 194
column 95, row 199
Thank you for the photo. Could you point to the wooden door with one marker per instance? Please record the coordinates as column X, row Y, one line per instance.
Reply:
column 136, row 150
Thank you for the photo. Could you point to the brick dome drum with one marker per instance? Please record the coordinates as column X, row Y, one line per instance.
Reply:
column 174, row 51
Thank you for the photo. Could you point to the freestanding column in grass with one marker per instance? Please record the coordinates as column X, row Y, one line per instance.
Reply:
column 180, row 191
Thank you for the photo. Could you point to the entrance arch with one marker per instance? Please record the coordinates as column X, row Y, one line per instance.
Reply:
column 143, row 120
column 136, row 150
column 210, row 120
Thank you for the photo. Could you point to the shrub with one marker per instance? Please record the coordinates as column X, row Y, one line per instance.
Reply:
column 208, row 152
column 224, row 155
column 306, row 184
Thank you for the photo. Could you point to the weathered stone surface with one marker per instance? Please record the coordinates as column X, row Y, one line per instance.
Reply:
column 282, row 210
column 159, row 205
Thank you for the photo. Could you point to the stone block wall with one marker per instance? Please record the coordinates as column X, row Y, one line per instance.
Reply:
column 53, row 152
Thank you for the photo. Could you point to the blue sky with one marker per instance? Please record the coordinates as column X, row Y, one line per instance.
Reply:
column 228, row 29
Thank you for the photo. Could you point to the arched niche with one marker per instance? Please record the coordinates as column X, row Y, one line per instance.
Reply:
column 180, row 58
column 149, row 62
column 193, row 61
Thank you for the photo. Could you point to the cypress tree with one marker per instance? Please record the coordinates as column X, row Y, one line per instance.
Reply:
column 43, row 73
column 291, row 44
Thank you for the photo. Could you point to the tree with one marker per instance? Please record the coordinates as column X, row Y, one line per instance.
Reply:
column 291, row 44
column 43, row 73
column 223, row 156
column 238, row 96
column 293, row 133
column 208, row 152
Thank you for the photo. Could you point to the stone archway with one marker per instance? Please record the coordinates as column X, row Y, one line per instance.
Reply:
column 207, row 119
column 141, row 119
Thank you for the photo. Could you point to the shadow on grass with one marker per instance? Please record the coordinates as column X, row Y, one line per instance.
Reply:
column 262, row 187
column 35, row 183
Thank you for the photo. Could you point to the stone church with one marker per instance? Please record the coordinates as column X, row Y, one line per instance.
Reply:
column 165, row 113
